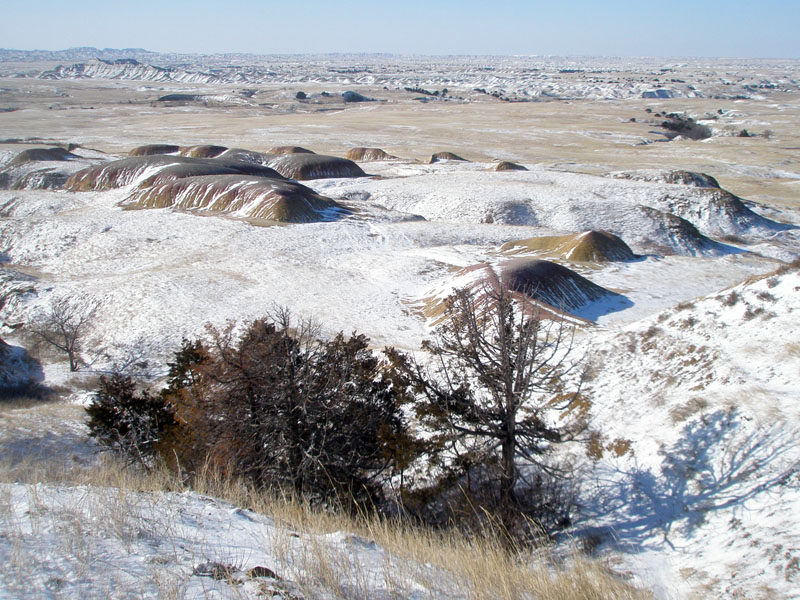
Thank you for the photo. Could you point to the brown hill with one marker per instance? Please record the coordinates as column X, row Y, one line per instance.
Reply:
column 589, row 246
column 556, row 289
column 202, row 151
column 151, row 149
column 30, row 155
column 314, row 166
column 440, row 156
column 505, row 165
column 368, row 154
column 288, row 150
column 119, row 173
column 249, row 197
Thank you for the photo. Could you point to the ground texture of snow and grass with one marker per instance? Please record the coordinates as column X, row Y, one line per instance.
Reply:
column 692, row 491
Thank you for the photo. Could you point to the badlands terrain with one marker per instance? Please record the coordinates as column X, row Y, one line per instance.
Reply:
column 663, row 194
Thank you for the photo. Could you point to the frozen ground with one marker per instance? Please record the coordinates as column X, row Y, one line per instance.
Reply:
column 698, row 371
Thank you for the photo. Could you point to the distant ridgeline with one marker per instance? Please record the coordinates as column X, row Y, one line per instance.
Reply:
column 509, row 78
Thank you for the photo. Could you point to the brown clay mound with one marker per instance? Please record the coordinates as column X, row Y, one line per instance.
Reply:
column 556, row 289
column 247, row 197
column 550, row 283
column 119, row 173
column 440, row 156
column 589, row 246
column 31, row 155
column 202, row 151
column 250, row 156
column 212, row 167
column 289, row 150
column 692, row 178
column 368, row 154
column 505, row 165
column 314, row 166
column 151, row 149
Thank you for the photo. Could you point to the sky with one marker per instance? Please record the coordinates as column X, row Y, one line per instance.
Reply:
column 735, row 28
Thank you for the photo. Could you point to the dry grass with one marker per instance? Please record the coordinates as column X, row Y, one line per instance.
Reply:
column 314, row 557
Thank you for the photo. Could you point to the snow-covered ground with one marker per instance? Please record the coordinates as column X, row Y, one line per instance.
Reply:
column 694, row 372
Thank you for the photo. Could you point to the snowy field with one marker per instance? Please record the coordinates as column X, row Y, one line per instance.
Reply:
column 695, row 363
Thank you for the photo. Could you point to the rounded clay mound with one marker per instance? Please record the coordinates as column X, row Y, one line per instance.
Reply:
column 31, row 155
column 202, row 151
column 368, row 154
column 692, row 178
column 251, row 156
column 248, row 197
column 314, row 166
column 505, row 165
column 212, row 167
column 119, row 173
column 289, row 150
column 589, row 246
column 550, row 283
column 440, row 156
column 151, row 149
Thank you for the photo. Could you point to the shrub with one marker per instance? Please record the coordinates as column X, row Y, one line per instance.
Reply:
column 731, row 299
column 128, row 423
column 319, row 420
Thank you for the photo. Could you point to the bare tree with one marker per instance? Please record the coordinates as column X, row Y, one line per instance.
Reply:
column 497, row 378
column 64, row 323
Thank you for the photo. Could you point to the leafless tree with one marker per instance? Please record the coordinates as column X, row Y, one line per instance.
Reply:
column 63, row 324
column 499, row 373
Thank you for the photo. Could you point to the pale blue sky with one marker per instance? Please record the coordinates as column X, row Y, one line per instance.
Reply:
column 736, row 28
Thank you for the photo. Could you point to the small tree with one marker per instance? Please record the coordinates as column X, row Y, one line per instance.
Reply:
column 126, row 422
column 63, row 324
column 497, row 376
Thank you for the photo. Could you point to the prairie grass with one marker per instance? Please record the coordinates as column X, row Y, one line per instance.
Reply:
column 318, row 553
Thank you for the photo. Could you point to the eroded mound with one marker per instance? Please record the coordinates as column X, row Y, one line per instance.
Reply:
column 666, row 233
column 31, row 155
column 151, row 149
column 505, row 165
column 368, row 154
column 693, row 178
column 40, row 168
column 119, row 173
column 551, row 283
column 289, row 150
column 314, row 166
column 202, row 151
column 555, row 288
column 248, row 197
column 251, row 156
column 440, row 156
column 719, row 212
column 211, row 167
column 589, row 246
